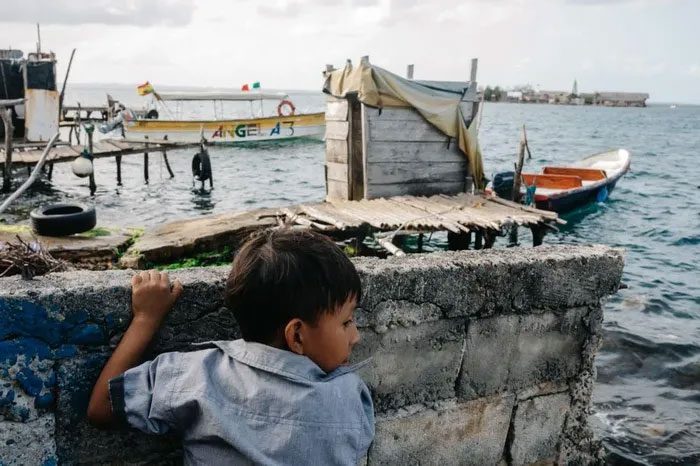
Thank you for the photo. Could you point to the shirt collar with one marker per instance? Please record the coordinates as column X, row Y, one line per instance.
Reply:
column 285, row 363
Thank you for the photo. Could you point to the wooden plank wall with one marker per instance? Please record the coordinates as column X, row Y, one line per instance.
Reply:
column 406, row 155
column 337, row 149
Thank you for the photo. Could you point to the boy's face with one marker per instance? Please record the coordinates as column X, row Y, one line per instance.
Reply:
column 330, row 342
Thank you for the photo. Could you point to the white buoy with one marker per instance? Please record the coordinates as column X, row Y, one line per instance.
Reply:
column 82, row 166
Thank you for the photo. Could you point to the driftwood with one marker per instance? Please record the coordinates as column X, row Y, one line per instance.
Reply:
column 33, row 176
column 28, row 259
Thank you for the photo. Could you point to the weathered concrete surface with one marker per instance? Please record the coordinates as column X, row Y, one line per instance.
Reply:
column 519, row 351
column 412, row 364
column 434, row 324
column 474, row 284
column 537, row 425
column 450, row 432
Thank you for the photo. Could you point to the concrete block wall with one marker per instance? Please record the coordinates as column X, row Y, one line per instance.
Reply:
column 479, row 357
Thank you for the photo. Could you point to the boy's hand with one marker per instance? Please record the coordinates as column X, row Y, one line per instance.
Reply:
column 152, row 297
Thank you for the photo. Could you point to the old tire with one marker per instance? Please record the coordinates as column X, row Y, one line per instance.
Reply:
column 63, row 219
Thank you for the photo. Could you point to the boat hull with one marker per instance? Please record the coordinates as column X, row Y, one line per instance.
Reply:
column 229, row 131
column 568, row 200
column 575, row 199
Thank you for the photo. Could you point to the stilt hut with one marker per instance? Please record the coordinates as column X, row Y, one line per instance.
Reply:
column 389, row 136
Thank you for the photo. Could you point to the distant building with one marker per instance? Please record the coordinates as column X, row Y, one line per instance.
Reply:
column 553, row 97
column 621, row 99
column 514, row 96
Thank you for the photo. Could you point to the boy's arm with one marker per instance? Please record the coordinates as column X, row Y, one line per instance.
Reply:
column 152, row 299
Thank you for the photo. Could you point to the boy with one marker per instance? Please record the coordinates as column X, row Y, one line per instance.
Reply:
column 283, row 394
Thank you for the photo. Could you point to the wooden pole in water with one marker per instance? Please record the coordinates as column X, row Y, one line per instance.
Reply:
column 513, row 239
column 165, row 157
column 6, row 115
column 119, row 169
column 145, row 161
column 93, row 185
column 519, row 166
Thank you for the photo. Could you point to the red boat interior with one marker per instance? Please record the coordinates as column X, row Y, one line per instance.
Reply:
column 562, row 177
column 586, row 174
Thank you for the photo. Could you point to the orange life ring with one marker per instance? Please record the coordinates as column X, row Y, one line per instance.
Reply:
column 284, row 104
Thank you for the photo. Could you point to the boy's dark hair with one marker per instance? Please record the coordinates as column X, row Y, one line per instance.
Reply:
column 278, row 275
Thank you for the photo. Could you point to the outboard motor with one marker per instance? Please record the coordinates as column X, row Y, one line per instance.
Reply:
column 502, row 184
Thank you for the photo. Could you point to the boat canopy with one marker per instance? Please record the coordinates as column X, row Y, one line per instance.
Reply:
column 240, row 96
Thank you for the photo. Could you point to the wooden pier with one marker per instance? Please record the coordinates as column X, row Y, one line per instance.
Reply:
column 24, row 155
column 29, row 154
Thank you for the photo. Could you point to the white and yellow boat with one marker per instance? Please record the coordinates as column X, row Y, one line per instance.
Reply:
column 287, row 124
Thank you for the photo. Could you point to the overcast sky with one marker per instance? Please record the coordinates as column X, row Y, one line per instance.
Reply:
column 627, row 45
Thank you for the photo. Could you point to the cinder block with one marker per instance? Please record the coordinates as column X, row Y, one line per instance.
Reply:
column 412, row 364
column 537, row 426
column 515, row 352
column 465, row 433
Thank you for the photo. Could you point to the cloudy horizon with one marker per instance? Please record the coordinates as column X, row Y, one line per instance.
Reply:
column 613, row 45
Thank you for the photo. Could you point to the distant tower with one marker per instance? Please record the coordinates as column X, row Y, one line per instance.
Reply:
column 574, row 91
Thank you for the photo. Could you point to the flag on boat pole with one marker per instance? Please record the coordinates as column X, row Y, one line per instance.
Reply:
column 145, row 88
column 247, row 87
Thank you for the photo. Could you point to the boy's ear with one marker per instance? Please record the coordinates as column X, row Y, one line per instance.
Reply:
column 292, row 335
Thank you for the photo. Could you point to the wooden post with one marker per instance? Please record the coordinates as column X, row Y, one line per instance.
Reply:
column 93, row 187
column 50, row 174
column 145, row 161
column 409, row 72
column 6, row 115
column 458, row 241
column 489, row 239
column 119, row 169
column 538, row 232
column 165, row 157
column 472, row 85
column 513, row 238
column 479, row 240
column 472, row 70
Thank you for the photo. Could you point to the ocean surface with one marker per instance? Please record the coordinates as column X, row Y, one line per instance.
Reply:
column 647, row 397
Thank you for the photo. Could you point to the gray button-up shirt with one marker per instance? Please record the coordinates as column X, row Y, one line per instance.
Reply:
column 248, row 403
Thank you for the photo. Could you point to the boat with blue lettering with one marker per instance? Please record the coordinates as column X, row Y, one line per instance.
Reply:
column 565, row 188
column 174, row 116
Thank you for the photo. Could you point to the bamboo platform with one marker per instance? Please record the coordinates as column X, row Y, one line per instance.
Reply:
column 460, row 215
column 24, row 155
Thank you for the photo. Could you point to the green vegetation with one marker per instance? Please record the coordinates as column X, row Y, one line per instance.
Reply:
column 493, row 94
column 14, row 229
column 95, row 232
column 203, row 259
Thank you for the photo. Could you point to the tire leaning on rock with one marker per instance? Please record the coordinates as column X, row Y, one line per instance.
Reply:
column 62, row 219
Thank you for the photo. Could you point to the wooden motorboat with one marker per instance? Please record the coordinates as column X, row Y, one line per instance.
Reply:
column 564, row 188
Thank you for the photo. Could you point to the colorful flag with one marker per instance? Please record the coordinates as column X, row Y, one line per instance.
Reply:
column 245, row 87
column 256, row 85
column 145, row 88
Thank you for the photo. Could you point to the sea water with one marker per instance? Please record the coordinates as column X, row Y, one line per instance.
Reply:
column 647, row 395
